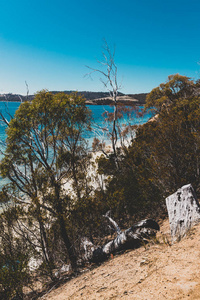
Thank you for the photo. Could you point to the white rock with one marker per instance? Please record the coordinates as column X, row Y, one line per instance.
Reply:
column 183, row 210
column 34, row 263
column 63, row 269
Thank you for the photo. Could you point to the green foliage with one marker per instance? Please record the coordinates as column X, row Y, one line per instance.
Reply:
column 86, row 218
column 130, row 189
column 164, row 155
column 170, row 93
column 171, row 142
column 15, row 253
column 45, row 149
column 106, row 165
column 172, row 145
column 14, row 274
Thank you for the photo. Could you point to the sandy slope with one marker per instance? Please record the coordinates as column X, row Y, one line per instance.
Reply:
column 154, row 272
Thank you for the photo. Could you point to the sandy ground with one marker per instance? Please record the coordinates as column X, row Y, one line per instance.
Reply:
column 157, row 271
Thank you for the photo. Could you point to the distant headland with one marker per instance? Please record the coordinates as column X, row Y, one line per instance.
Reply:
column 92, row 98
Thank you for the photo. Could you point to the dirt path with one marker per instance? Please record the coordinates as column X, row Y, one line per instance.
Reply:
column 156, row 272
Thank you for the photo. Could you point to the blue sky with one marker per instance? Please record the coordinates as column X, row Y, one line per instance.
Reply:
column 49, row 43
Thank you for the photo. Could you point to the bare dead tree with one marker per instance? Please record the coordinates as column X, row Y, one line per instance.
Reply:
column 110, row 82
column 27, row 90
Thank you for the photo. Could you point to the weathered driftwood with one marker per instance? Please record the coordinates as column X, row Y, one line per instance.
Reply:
column 183, row 210
column 130, row 238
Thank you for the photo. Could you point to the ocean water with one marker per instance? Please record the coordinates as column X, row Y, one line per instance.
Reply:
column 132, row 117
column 8, row 110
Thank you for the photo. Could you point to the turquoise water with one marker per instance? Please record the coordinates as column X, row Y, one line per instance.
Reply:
column 133, row 118
column 8, row 110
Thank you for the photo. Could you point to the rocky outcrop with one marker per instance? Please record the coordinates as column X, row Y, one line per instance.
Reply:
column 183, row 210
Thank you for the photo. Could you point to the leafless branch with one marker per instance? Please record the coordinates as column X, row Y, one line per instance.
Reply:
column 27, row 90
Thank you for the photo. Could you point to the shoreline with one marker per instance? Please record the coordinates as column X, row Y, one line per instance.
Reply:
column 91, row 98
column 94, row 103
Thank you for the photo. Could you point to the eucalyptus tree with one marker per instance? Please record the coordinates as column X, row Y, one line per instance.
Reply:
column 168, row 94
column 45, row 149
column 15, row 253
column 170, row 143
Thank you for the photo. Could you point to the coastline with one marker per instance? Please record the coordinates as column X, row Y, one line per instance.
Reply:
column 94, row 102
column 91, row 98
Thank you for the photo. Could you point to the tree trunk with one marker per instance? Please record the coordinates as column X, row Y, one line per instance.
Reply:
column 63, row 231
column 69, row 246
column 45, row 249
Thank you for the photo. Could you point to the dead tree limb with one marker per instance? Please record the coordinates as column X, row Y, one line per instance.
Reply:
column 131, row 238
column 115, row 225
column 110, row 82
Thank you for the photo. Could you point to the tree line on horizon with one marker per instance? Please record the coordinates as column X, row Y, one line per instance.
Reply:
column 88, row 95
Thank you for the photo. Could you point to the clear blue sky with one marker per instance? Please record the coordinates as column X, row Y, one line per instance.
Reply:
column 49, row 43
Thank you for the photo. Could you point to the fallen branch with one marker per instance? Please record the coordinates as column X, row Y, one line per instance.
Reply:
column 131, row 238
column 115, row 225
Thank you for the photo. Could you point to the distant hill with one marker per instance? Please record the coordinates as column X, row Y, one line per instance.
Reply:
column 15, row 97
column 93, row 98
column 88, row 95
column 140, row 97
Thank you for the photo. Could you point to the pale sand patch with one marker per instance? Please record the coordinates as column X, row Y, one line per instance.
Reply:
column 96, row 179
